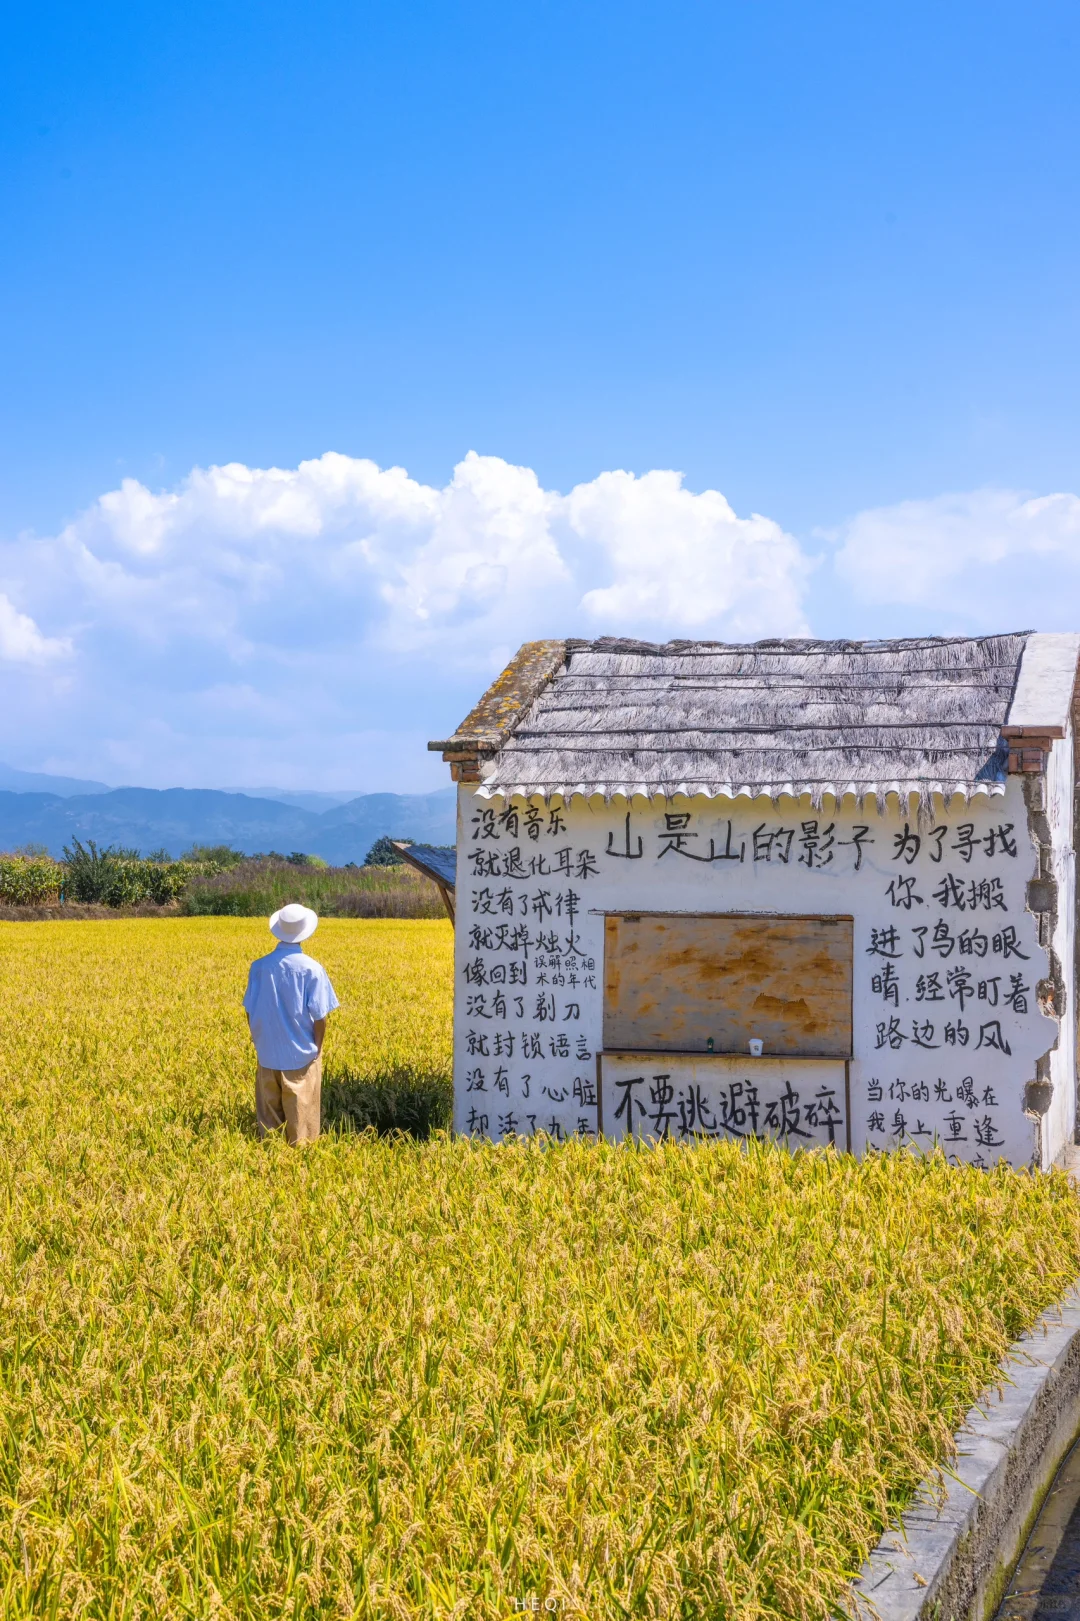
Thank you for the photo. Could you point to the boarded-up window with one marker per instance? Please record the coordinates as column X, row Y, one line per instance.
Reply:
column 672, row 982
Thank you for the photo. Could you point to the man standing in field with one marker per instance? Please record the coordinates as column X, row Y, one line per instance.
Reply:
column 287, row 1002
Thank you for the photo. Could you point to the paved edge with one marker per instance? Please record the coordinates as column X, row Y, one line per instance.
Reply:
column 951, row 1557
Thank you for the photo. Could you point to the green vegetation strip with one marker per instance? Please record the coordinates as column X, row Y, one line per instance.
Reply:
column 390, row 1378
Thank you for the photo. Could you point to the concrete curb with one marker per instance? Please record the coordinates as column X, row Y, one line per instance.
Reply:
column 951, row 1560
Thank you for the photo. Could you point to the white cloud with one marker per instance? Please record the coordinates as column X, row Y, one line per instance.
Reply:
column 278, row 616
column 20, row 640
column 269, row 560
column 685, row 560
column 990, row 558
column 311, row 625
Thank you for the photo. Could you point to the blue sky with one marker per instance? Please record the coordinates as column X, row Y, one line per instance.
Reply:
column 819, row 259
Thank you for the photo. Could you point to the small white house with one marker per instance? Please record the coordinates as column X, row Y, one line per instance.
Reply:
column 819, row 891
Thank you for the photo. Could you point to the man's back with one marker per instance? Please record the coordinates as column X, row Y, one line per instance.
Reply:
column 287, row 991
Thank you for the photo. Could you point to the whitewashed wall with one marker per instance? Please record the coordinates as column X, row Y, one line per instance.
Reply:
column 947, row 1025
column 1060, row 1121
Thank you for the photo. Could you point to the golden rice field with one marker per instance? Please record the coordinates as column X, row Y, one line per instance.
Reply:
column 385, row 1378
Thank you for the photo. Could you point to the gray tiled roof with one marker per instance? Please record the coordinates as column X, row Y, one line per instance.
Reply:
column 921, row 715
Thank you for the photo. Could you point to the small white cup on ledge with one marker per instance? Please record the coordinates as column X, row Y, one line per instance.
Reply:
column 757, row 1047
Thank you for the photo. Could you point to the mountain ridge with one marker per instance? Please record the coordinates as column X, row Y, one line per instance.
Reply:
column 176, row 818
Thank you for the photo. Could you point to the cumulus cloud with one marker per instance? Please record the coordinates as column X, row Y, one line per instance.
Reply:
column 20, row 640
column 235, row 550
column 686, row 560
column 324, row 600
column 989, row 558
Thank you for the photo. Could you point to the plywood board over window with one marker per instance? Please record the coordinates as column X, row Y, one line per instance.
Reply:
column 673, row 982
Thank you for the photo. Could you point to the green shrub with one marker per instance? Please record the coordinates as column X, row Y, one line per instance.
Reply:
column 259, row 885
column 383, row 854
column 118, row 877
column 213, row 857
column 415, row 1104
column 199, row 902
column 30, row 880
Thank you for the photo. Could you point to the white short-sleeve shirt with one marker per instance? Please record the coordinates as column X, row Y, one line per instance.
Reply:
column 286, row 992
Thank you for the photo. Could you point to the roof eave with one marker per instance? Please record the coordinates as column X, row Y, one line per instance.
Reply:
column 501, row 710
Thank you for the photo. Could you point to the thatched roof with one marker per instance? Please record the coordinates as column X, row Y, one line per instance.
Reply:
column 916, row 716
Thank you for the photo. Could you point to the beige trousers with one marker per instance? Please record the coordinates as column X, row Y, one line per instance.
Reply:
column 291, row 1098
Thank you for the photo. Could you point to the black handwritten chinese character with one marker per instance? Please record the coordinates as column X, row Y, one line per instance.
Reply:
column 960, row 985
column 629, row 1098
column 822, row 1111
column 1016, row 996
column 887, row 985
column 484, row 824
column 764, row 842
column 661, row 1094
column 985, row 1130
column 859, row 837
column 999, row 836
column 584, row 1090
column 890, row 1035
column 783, row 1114
column 987, row 893
column 950, row 892
column 816, row 847
column 936, row 837
column 626, row 853
column 695, row 1113
column 740, row 1109
column 990, row 1036
column 906, row 845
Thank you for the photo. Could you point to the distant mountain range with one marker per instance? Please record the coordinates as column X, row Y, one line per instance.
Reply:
column 42, row 782
column 175, row 818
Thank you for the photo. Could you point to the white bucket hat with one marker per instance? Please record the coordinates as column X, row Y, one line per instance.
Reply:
column 294, row 923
